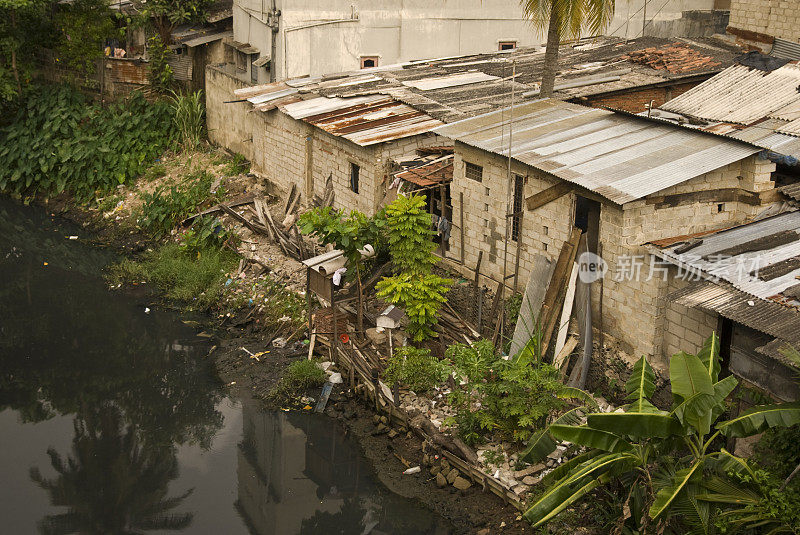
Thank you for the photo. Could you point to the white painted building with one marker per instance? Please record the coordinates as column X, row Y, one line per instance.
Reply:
column 280, row 39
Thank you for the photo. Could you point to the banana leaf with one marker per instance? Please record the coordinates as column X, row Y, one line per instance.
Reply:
column 709, row 356
column 641, row 385
column 688, row 376
column 542, row 442
column 761, row 418
column 667, row 495
column 592, row 438
column 637, row 424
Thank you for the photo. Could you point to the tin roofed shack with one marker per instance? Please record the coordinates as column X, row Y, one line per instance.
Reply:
column 622, row 180
column 351, row 132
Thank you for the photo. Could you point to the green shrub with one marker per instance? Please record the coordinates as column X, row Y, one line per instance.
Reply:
column 157, row 170
column 206, row 233
column 168, row 205
column 194, row 280
column 512, row 397
column 238, row 165
column 59, row 141
column 189, row 116
column 416, row 368
column 299, row 377
column 161, row 76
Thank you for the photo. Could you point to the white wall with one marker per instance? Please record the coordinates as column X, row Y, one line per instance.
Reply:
column 322, row 37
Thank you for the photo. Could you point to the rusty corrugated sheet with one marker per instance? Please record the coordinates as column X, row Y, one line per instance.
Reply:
column 129, row 71
column 363, row 120
column 438, row 171
column 620, row 157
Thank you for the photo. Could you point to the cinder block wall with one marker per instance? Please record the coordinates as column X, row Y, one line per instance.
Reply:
column 778, row 18
column 229, row 125
column 634, row 308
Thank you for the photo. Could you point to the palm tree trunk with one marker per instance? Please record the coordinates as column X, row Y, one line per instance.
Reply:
column 550, row 56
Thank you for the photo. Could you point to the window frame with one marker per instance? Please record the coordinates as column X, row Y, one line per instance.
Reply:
column 509, row 44
column 476, row 169
column 374, row 59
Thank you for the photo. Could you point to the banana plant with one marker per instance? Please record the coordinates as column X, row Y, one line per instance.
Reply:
column 634, row 445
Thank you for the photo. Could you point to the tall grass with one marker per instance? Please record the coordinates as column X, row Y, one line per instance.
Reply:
column 189, row 115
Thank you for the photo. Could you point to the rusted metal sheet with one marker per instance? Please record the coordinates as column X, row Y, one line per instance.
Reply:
column 129, row 71
column 438, row 171
column 620, row 157
column 363, row 120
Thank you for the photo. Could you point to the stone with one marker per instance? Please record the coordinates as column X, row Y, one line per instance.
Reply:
column 384, row 420
column 445, row 463
column 532, row 469
column 461, row 484
column 531, row 480
column 376, row 418
column 445, row 470
column 441, row 481
column 392, row 433
column 426, row 460
column 435, row 470
column 452, row 475
column 484, row 531
column 377, row 337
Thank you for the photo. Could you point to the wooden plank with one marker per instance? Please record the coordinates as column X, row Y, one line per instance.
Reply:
column 243, row 199
column 566, row 311
column 548, row 195
column 566, row 351
column 554, row 293
column 244, row 221
column 289, row 198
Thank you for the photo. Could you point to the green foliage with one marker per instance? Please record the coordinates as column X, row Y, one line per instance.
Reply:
column 25, row 25
column 83, row 27
column 509, row 397
column 194, row 280
column 167, row 14
column 60, row 141
column 416, row 368
column 766, row 507
column 206, row 233
column 778, row 450
column 349, row 234
column 420, row 295
column 414, row 288
column 238, row 165
column 157, row 170
column 189, row 116
column 410, row 235
column 161, row 76
column 299, row 377
column 646, row 447
column 281, row 309
column 168, row 205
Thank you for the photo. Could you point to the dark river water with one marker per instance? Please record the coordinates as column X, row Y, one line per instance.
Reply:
column 112, row 419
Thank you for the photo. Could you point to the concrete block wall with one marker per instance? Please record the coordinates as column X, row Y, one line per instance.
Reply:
column 684, row 329
column 543, row 231
column 229, row 125
column 778, row 18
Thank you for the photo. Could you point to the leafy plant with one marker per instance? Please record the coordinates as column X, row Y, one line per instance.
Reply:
column 161, row 76
column 206, row 233
column 59, row 141
column 415, row 288
column 165, row 15
column 83, row 27
column 238, row 165
column 637, row 445
column 189, row 116
column 511, row 397
column 167, row 205
column 416, row 368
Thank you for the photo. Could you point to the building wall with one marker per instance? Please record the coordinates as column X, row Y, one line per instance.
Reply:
column 776, row 18
column 635, row 289
column 317, row 37
column 228, row 124
column 637, row 101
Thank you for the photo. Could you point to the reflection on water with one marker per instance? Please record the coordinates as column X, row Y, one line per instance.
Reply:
column 113, row 420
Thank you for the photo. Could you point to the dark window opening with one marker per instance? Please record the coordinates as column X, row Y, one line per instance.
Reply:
column 369, row 62
column 516, row 219
column 242, row 60
column 507, row 45
column 354, row 172
column 474, row 172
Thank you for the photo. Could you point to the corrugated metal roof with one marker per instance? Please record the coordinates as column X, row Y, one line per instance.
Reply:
column 207, row 38
column 437, row 171
column 765, row 316
column 792, row 190
column 740, row 95
column 363, row 120
column 451, row 80
column 620, row 157
column 781, row 48
column 761, row 258
column 752, row 105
